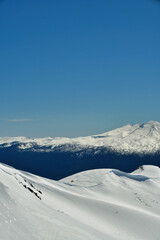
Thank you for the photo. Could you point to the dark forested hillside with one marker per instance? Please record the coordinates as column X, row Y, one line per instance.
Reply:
column 59, row 164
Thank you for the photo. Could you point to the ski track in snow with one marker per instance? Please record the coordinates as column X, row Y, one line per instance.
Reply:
column 103, row 204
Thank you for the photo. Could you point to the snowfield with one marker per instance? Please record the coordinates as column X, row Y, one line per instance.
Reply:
column 104, row 204
column 139, row 138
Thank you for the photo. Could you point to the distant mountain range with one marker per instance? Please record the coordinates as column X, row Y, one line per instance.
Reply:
column 101, row 204
column 139, row 138
column 125, row 148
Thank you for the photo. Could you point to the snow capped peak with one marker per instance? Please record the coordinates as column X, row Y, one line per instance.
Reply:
column 138, row 138
column 151, row 125
column 152, row 122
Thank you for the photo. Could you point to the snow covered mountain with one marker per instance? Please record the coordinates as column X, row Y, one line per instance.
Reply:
column 102, row 204
column 125, row 148
column 128, row 139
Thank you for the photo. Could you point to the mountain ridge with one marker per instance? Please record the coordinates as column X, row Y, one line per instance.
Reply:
column 138, row 138
column 100, row 204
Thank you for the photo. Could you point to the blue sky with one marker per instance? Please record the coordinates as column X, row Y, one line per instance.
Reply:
column 71, row 68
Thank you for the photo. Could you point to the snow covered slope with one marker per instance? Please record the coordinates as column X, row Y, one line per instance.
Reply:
column 130, row 139
column 102, row 204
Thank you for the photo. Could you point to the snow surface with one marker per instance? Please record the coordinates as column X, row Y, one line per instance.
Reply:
column 139, row 138
column 104, row 204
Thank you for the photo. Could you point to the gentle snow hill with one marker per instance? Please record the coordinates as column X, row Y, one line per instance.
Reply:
column 104, row 204
column 139, row 138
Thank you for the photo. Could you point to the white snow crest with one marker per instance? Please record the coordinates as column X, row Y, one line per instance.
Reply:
column 139, row 138
column 103, row 204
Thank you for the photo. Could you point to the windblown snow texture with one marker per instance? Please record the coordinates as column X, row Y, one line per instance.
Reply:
column 104, row 204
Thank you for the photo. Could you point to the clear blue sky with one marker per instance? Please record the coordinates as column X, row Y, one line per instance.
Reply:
column 78, row 67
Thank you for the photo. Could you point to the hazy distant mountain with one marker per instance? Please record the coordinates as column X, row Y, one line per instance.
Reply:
column 103, row 204
column 125, row 148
